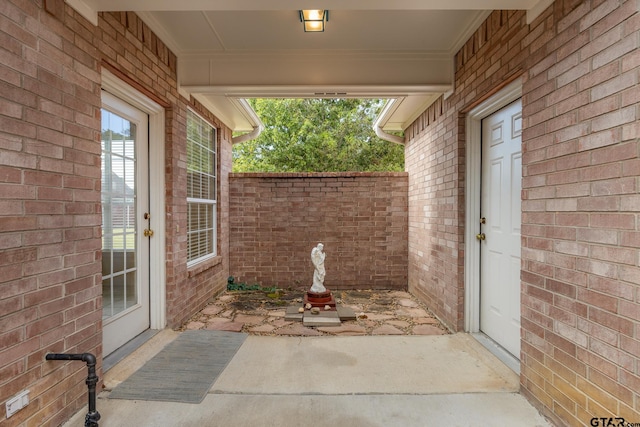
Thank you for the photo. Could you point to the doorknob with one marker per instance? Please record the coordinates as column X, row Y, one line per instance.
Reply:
column 481, row 236
column 148, row 233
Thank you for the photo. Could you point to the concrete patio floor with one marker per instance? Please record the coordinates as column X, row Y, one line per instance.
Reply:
column 337, row 380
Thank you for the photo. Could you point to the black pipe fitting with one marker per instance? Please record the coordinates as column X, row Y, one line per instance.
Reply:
column 91, row 420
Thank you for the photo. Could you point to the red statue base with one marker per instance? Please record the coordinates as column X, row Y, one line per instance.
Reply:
column 321, row 299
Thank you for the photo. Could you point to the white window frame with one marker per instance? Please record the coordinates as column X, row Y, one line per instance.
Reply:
column 212, row 202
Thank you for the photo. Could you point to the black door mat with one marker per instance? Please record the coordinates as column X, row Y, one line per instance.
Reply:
column 184, row 370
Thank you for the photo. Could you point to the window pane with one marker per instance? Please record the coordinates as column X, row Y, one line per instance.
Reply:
column 118, row 195
column 201, row 188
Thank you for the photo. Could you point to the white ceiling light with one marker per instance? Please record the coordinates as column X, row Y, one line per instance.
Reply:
column 314, row 20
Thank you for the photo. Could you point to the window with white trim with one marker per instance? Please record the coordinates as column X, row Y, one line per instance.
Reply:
column 201, row 189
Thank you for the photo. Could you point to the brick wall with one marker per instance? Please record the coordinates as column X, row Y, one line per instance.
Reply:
column 189, row 289
column 436, row 215
column 580, row 276
column 581, row 300
column 50, row 257
column 361, row 218
column 49, row 211
column 435, row 160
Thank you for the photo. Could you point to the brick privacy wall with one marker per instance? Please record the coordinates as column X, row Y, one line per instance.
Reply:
column 361, row 218
column 580, row 237
column 50, row 246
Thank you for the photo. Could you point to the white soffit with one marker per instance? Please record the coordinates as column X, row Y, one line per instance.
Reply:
column 173, row 5
column 229, row 49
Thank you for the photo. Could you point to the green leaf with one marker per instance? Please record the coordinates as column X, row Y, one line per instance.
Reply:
column 317, row 135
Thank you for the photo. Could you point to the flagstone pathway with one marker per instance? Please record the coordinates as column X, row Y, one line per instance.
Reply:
column 260, row 313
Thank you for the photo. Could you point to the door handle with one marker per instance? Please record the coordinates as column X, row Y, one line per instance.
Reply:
column 481, row 236
column 148, row 233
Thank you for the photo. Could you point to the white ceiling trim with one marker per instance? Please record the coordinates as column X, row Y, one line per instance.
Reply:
column 221, row 79
column 537, row 9
column 160, row 31
column 87, row 8
column 343, row 71
column 317, row 91
column 226, row 5
column 325, row 54
column 470, row 30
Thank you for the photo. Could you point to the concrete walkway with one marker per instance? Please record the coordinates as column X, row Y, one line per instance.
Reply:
column 334, row 381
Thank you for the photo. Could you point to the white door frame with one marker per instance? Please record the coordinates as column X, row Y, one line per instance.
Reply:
column 157, row 255
column 504, row 97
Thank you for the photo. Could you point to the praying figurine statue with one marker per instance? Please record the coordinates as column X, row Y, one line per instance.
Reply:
column 317, row 258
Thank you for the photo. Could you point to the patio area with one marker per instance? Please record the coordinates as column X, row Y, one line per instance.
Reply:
column 377, row 312
column 335, row 380
column 285, row 374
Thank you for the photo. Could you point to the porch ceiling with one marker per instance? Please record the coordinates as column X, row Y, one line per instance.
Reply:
column 231, row 49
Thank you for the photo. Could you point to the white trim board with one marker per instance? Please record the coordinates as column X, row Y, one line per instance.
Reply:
column 157, row 275
column 505, row 96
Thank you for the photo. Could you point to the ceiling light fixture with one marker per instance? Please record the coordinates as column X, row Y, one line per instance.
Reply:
column 314, row 20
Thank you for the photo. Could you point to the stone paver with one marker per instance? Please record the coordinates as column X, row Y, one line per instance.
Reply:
column 194, row 325
column 376, row 312
column 218, row 320
column 279, row 313
column 378, row 316
column 400, row 294
column 212, row 310
column 387, row 330
column 399, row 323
column 411, row 312
column 329, row 318
column 248, row 319
column 407, row 303
column 279, row 323
column 226, row 326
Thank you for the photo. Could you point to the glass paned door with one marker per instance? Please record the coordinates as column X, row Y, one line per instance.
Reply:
column 119, row 214
column 125, row 249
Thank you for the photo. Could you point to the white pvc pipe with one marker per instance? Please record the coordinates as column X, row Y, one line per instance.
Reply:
column 257, row 129
column 378, row 129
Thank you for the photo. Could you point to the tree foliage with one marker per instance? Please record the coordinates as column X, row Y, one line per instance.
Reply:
column 317, row 135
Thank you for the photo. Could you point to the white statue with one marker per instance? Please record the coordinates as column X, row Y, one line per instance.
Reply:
column 317, row 258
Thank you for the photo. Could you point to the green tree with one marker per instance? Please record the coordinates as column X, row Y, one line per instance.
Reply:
column 317, row 135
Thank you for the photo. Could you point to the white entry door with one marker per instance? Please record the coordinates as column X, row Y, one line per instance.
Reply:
column 500, row 227
column 125, row 204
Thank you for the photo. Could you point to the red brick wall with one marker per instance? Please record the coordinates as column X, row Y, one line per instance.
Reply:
column 580, row 274
column 49, row 211
column 436, row 214
column 435, row 160
column 50, row 260
column 581, row 300
column 361, row 218
column 189, row 289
